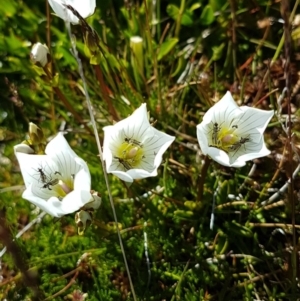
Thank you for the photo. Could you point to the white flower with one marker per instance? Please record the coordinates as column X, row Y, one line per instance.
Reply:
column 58, row 182
column 84, row 7
column 232, row 135
column 132, row 148
column 40, row 54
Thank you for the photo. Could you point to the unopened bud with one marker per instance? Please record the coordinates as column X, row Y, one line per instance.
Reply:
column 40, row 54
column 36, row 134
column 82, row 219
column 296, row 21
column 137, row 54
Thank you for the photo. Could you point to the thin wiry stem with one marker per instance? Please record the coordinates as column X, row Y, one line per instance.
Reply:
column 285, row 11
column 53, row 119
column 147, row 255
column 90, row 108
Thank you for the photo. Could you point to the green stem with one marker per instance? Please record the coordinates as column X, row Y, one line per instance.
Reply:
column 179, row 18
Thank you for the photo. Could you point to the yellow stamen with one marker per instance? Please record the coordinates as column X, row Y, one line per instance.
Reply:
column 130, row 153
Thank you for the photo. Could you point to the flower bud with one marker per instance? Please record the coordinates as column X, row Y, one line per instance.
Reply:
column 36, row 134
column 40, row 54
column 82, row 219
column 137, row 54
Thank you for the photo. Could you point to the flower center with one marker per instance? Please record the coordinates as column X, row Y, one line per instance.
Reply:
column 227, row 138
column 60, row 187
column 130, row 154
column 224, row 137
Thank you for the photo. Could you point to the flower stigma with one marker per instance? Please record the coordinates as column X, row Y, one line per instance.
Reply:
column 130, row 154
column 226, row 138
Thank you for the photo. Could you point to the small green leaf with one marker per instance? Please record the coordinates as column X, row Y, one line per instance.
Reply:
column 187, row 16
column 217, row 4
column 179, row 66
column 195, row 6
column 207, row 17
column 217, row 52
column 173, row 11
column 166, row 47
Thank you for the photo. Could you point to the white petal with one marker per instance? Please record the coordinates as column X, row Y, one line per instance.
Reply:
column 33, row 165
column 39, row 54
column 59, row 144
column 62, row 12
column 51, row 208
column 124, row 176
column 68, row 165
column 135, row 126
column 85, row 9
column 111, row 139
column 74, row 201
column 225, row 109
column 253, row 155
column 23, row 148
column 222, row 158
column 253, row 119
column 202, row 138
column 82, row 180
column 57, row 208
column 141, row 173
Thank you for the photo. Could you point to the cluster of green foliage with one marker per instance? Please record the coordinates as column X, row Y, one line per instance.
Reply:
column 193, row 52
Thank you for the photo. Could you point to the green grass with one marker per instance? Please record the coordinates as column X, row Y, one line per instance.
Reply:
column 194, row 51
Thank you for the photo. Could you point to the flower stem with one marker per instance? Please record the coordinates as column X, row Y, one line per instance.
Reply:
column 90, row 108
column 53, row 119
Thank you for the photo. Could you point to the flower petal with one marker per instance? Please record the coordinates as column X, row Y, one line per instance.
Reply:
column 222, row 158
column 74, row 200
column 62, row 12
column 84, row 8
column 124, row 176
column 57, row 208
column 82, row 180
column 202, row 138
column 33, row 167
column 253, row 119
column 225, row 109
column 58, row 145
column 51, row 208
